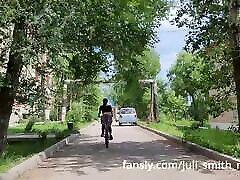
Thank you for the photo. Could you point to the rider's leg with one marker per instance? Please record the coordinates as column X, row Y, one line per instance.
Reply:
column 110, row 131
column 103, row 128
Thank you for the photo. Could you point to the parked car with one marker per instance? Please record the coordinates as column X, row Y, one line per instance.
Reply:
column 127, row 115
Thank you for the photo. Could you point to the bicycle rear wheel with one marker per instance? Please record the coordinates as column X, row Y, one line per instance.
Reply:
column 107, row 143
column 106, row 137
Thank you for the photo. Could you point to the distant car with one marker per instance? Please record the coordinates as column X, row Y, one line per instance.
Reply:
column 127, row 115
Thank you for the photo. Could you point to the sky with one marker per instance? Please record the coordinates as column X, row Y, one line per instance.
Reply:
column 172, row 41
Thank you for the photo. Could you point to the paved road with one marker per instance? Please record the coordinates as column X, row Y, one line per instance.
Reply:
column 87, row 158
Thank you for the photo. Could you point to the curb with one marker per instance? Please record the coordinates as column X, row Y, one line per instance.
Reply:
column 197, row 148
column 31, row 163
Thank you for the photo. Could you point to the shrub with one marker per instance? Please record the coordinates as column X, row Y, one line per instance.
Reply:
column 53, row 114
column 31, row 121
column 76, row 113
column 195, row 125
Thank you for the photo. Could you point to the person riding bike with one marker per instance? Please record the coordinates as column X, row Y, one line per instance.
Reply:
column 106, row 117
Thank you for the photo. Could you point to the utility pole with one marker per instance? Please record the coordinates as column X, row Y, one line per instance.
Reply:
column 153, row 115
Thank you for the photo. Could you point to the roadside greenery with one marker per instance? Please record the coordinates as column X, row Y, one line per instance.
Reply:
column 128, row 91
column 214, row 34
column 16, row 152
column 229, row 143
column 197, row 89
column 19, row 151
column 68, row 39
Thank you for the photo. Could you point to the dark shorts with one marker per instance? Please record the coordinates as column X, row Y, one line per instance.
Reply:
column 106, row 118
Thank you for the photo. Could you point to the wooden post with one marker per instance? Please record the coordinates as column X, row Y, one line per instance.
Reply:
column 151, row 114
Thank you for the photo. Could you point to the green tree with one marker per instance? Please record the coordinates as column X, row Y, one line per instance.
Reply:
column 175, row 106
column 129, row 91
column 193, row 76
column 74, row 27
column 212, row 24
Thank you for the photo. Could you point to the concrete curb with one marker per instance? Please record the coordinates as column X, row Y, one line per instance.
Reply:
column 197, row 148
column 15, row 172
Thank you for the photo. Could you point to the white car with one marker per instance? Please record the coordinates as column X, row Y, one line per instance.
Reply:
column 127, row 115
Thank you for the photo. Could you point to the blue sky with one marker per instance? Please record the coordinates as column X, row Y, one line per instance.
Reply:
column 172, row 41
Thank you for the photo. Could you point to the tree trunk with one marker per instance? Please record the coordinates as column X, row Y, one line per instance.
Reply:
column 194, row 107
column 8, row 92
column 236, row 64
column 235, row 43
column 6, row 102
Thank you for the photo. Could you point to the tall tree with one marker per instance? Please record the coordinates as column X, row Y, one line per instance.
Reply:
column 129, row 91
column 212, row 23
column 203, row 81
column 71, row 27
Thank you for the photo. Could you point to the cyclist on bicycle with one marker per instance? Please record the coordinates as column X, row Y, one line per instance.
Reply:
column 106, row 117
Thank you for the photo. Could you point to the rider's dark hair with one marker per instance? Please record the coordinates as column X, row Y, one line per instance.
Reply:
column 105, row 101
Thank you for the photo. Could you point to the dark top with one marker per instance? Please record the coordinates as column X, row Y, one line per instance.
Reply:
column 107, row 108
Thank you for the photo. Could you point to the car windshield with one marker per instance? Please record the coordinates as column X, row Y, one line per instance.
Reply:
column 127, row 111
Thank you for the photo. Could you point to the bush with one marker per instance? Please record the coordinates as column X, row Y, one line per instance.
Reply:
column 31, row 121
column 76, row 113
column 53, row 114
column 195, row 125
column 80, row 112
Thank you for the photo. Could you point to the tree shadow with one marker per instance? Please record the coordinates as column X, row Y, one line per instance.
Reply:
column 86, row 152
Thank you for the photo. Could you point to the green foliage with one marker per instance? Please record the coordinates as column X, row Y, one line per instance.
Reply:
column 31, row 121
column 187, row 130
column 17, row 129
column 189, row 75
column 16, row 153
column 53, row 114
column 209, row 22
column 129, row 92
column 85, row 103
column 175, row 106
column 76, row 113
column 228, row 143
column 57, row 128
column 81, row 111
column 193, row 76
column 77, row 37
column 214, row 27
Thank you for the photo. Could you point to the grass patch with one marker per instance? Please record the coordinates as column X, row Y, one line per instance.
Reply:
column 49, row 127
column 222, row 141
column 171, row 127
column 17, row 152
column 17, row 129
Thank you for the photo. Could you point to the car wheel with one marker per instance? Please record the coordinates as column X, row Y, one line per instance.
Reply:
column 120, row 124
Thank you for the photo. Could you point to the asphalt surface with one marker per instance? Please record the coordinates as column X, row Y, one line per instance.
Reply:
column 87, row 158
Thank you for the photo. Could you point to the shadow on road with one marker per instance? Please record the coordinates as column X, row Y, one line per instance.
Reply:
column 89, row 152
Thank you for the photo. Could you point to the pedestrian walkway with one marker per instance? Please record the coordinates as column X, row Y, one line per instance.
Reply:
column 87, row 158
